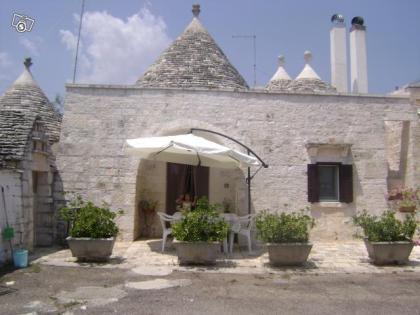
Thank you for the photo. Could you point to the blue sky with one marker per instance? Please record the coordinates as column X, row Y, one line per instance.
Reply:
column 121, row 38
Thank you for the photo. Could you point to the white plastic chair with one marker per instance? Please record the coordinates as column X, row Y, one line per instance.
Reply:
column 163, row 217
column 232, row 220
column 243, row 227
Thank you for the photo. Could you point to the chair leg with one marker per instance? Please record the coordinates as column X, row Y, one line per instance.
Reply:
column 249, row 241
column 164, row 241
column 231, row 237
column 225, row 246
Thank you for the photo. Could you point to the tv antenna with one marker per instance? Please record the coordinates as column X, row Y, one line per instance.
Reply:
column 254, row 43
column 78, row 41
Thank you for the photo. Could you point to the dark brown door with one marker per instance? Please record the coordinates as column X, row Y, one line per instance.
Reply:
column 182, row 179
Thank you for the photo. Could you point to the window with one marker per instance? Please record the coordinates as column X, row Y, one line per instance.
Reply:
column 330, row 182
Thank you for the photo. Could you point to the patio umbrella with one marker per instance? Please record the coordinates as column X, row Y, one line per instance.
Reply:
column 189, row 149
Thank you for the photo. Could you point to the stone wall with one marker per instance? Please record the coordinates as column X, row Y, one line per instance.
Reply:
column 278, row 127
column 10, row 181
column 30, row 214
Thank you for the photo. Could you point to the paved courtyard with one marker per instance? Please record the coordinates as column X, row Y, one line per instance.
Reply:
column 139, row 279
column 145, row 257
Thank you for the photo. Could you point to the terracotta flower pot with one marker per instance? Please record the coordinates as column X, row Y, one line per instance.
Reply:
column 397, row 196
column 408, row 209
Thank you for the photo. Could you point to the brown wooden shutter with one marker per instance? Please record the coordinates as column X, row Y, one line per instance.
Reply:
column 346, row 183
column 313, row 183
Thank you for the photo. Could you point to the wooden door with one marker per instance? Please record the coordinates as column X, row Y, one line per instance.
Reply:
column 182, row 179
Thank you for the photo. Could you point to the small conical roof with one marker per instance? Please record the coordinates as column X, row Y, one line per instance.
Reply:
column 308, row 81
column 281, row 79
column 25, row 95
column 193, row 60
column 308, row 72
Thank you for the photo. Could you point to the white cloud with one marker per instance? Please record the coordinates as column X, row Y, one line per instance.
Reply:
column 31, row 46
column 113, row 50
column 68, row 39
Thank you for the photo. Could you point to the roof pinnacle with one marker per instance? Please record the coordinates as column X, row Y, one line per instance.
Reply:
column 307, row 55
column 281, row 60
column 28, row 63
column 196, row 10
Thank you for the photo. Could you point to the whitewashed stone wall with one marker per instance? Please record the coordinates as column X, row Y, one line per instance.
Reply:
column 23, row 209
column 11, row 182
column 98, row 119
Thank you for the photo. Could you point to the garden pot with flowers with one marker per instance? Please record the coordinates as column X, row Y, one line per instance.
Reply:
column 286, row 235
column 388, row 240
column 405, row 199
column 199, row 234
column 92, row 230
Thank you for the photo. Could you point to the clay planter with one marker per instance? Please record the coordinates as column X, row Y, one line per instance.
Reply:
column 91, row 249
column 389, row 253
column 407, row 209
column 397, row 196
column 288, row 254
column 197, row 253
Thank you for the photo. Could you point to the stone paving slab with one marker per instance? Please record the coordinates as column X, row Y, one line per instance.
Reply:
column 145, row 256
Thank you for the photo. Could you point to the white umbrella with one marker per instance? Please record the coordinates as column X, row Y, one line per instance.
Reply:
column 189, row 149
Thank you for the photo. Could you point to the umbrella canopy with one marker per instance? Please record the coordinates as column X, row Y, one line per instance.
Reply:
column 189, row 149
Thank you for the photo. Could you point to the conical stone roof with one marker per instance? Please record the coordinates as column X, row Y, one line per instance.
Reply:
column 281, row 80
column 308, row 81
column 193, row 60
column 26, row 96
column 15, row 128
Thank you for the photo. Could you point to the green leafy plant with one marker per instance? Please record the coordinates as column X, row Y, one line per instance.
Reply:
column 148, row 205
column 201, row 225
column 88, row 220
column 386, row 227
column 283, row 227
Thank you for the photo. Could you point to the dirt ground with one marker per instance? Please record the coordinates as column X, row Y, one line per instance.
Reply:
column 69, row 290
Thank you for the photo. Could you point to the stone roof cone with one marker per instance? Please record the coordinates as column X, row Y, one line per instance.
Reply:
column 308, row 81
column 26, row 96
column 193, row 60
column 281, row 79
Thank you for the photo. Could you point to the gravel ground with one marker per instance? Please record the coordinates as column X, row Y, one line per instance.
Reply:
column 58, row 290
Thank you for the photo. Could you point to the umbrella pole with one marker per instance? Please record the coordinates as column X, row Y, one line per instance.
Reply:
column 249, row 188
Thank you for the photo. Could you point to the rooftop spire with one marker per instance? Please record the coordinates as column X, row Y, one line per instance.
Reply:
column 27, row 62
column 196, row 10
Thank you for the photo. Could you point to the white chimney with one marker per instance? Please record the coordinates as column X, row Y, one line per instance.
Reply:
column 358, row 56
column 338, row 48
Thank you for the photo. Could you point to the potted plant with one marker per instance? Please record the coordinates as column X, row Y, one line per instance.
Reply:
column 387, row 239
column 148, row 206
column 286, row 235
column 92, row 230
column 406, row 199
column 199, row 233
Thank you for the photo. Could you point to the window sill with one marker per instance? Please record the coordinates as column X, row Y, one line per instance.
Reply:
column 330, row 204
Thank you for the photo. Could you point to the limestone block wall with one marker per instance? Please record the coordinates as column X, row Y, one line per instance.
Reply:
column 98, row 119
column 10, row 180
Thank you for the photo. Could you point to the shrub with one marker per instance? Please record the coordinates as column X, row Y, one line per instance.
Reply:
column 89, row 220
column 201, row 225
column 385, row 228
column 283, row 227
